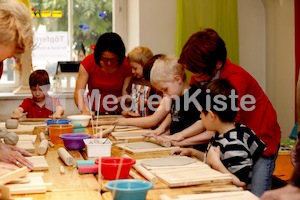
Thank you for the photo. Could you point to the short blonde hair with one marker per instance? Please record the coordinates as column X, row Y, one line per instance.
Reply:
column 140, row 55
column 16, row 25
column 165, row 68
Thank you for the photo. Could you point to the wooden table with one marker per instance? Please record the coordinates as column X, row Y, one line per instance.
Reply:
column 73, row 185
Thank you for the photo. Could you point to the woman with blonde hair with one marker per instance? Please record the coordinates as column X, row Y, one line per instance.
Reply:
column 16, row 36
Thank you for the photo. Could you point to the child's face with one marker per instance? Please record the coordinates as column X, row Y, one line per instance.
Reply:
column 169, row 88
column 38, row 93
column 204, row 119
column 208, row 121
column 137, row 69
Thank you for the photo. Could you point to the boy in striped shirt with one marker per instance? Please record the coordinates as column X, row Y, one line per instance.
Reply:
column 235, row 148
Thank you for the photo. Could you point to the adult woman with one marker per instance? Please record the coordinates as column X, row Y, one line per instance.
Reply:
column 107, row 74
column 16, row 36
column 205, row 55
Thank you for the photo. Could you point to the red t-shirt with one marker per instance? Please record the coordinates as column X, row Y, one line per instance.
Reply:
column 35, row 111
column 105, row 83
column 263, row 119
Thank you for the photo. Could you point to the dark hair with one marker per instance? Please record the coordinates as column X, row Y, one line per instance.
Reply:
column 111, row 42
column 39, row 77
column 149, row 64
column 202, row 51
column 207, row 101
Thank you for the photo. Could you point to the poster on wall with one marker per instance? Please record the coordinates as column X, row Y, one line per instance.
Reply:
column 49, row 48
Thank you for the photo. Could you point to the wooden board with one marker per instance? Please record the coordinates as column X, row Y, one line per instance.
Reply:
column 27, row 137
column 7, row 177
column 35, row 185
column 22, row 129
column 143, row 147
column 190, row 176
column 33, row 121
column 39, row 162
column 135, row 134
column 237, row 195
column 187, row 174
column 120, row 128
column 26, row 145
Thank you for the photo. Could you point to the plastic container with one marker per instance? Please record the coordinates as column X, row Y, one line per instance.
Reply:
column 96, row 148
column 57, row 121
column 129, row 189
column 56, row 129
column 79, row 120
column 74, row 141
column 110, row 166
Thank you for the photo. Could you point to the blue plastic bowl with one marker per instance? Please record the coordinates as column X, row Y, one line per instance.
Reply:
column 74, row 141
column 57, row 121
column 129, row 189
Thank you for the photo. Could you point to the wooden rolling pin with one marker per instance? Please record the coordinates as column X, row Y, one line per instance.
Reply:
column 42, row 136
column 42, row 149
column 106, row 132
column 148, row 175
column 155, row 141
column 65, row 156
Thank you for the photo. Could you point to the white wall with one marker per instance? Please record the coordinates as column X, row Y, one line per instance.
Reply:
column 152, row 24
column 280, row 60
column 252, row 37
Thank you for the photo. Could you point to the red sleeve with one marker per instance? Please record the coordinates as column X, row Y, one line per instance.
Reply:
column 26, row 104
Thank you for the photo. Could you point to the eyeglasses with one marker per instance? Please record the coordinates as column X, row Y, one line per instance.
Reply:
column 111, row 60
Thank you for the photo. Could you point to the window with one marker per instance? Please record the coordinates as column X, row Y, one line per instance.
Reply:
column 62, row 34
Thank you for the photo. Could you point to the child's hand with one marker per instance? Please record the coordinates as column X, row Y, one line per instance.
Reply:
column 174, row 137
column 182, row 152
column 130, row 113
column 156, row 132
column 87, row 112
column 18, row 115
column 56, row 116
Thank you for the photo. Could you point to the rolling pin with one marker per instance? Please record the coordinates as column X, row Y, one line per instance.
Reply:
column 148, row 175
column 65, row 156
column 42, row 136
column 42, row 149
column 106, row 132
column 155, row 141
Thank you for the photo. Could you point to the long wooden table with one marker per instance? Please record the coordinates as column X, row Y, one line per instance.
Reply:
column 72, row 185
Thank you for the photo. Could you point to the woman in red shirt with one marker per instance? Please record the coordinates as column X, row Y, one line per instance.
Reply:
column 107, row 74
column 205, row 55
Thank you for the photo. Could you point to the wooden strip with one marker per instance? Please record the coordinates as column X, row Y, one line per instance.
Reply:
column 238, row 195
column 33, row 119
column 155, row 148
column 14, row 175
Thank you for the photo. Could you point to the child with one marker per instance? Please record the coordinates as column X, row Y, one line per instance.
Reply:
column 234, row 148
column 41, row 105
column 168, row 76
column 139, row 87
column 161, row 110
